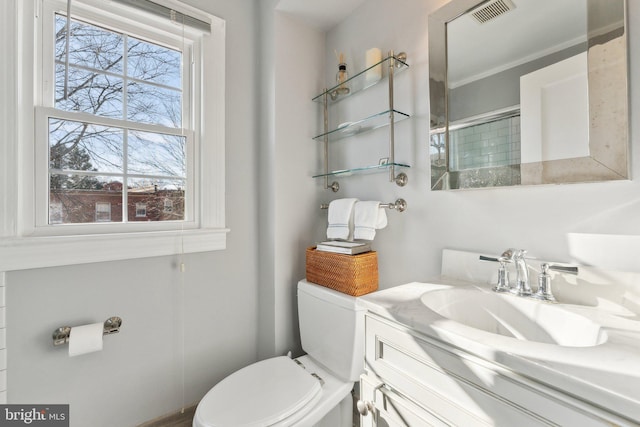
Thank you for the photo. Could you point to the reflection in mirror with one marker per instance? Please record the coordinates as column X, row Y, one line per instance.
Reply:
column 528, row 92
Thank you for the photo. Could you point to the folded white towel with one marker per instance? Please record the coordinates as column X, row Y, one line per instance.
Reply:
column 340, row 218
column 367, row 218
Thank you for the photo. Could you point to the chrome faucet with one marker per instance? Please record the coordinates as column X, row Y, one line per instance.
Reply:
column 515, row 256
column 522, row 287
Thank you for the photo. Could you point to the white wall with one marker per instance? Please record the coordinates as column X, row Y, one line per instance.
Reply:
column 266, row 151
column 137, row 376
column 240, row 303
column 554, row 111
column 409, row 248
column 536, row 218
column 290, row 75
column 298, row 70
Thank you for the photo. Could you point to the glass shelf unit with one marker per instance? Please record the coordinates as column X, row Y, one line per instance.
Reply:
column 388, row 118
column 363, row 170
column 367, row 124
column 359, row 81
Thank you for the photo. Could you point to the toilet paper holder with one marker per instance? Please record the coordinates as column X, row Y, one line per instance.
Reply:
column 62, row 334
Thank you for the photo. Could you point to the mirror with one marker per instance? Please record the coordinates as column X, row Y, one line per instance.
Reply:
column 528, row 92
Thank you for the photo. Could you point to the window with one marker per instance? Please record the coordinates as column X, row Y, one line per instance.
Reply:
column 103, row 212
column 141, row 210
column 117, row 124
column 123, row 117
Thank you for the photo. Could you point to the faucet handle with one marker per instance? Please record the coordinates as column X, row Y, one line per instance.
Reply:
column 503, row 284
column 544, row 285
column 503, row 275
column 501, row 259
column 488, row 258
column 571, row 269
column 544, row 280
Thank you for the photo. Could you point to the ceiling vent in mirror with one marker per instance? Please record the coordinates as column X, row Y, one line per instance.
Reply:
column 492, row 9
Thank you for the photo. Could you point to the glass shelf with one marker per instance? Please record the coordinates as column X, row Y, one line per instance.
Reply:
column 360, row 82
column 361, row 126
column 362, row 170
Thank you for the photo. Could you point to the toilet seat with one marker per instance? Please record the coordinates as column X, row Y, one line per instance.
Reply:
column 261, row 394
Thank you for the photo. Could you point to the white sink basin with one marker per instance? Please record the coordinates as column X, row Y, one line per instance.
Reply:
column 515, row 317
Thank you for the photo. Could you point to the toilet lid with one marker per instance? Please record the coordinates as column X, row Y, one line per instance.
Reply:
column 259, row 395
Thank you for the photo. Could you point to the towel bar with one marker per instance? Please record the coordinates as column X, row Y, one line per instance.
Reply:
column 111, row 326
column 400, row 205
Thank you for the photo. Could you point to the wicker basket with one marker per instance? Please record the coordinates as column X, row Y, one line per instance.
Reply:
column 350, row 274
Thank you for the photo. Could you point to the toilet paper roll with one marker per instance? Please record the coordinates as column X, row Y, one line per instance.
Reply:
column 85, row 339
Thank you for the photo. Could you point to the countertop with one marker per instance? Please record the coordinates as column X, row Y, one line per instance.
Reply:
column 605, row 375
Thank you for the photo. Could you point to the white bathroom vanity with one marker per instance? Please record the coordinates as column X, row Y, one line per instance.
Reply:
column 454, row 352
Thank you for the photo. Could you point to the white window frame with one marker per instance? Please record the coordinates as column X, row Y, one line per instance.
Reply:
column 25, row 241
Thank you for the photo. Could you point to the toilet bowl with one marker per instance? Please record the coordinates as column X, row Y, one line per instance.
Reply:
column 312, row 390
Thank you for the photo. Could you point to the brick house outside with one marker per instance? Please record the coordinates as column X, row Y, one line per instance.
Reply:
column 147, row 203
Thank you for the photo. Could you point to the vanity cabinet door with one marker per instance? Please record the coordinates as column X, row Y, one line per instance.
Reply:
column 393, row 410
column 463, row 389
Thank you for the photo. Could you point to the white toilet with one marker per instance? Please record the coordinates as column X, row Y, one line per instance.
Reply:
column 312, row 390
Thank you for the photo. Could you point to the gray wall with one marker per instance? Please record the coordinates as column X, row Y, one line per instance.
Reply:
column 290, row 74
column 137, row 376
column 239, row 304
column 500, row 90
column 536, row 218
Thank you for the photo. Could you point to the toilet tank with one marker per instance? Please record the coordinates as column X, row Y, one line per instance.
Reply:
column 332, row 329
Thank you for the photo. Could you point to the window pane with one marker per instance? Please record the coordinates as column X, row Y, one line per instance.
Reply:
column 154, row 63
column 82, row 146
column 157, row 154
column 103, row 170
column 75, row 199
column 154, row 193
column 55, row 213
column 141, row 210
column 89, row 92
column 89, row 46
column 103, row 212
column 153, row 104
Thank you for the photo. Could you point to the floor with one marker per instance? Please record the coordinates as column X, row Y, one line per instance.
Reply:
column 186, row 419
column 174, row 420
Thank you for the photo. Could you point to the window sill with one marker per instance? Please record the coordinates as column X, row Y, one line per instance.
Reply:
column 36, row 252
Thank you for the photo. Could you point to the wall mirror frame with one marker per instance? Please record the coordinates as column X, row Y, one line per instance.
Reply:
column 606, row 117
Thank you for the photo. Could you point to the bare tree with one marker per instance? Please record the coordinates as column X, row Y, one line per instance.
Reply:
column 109, row 74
